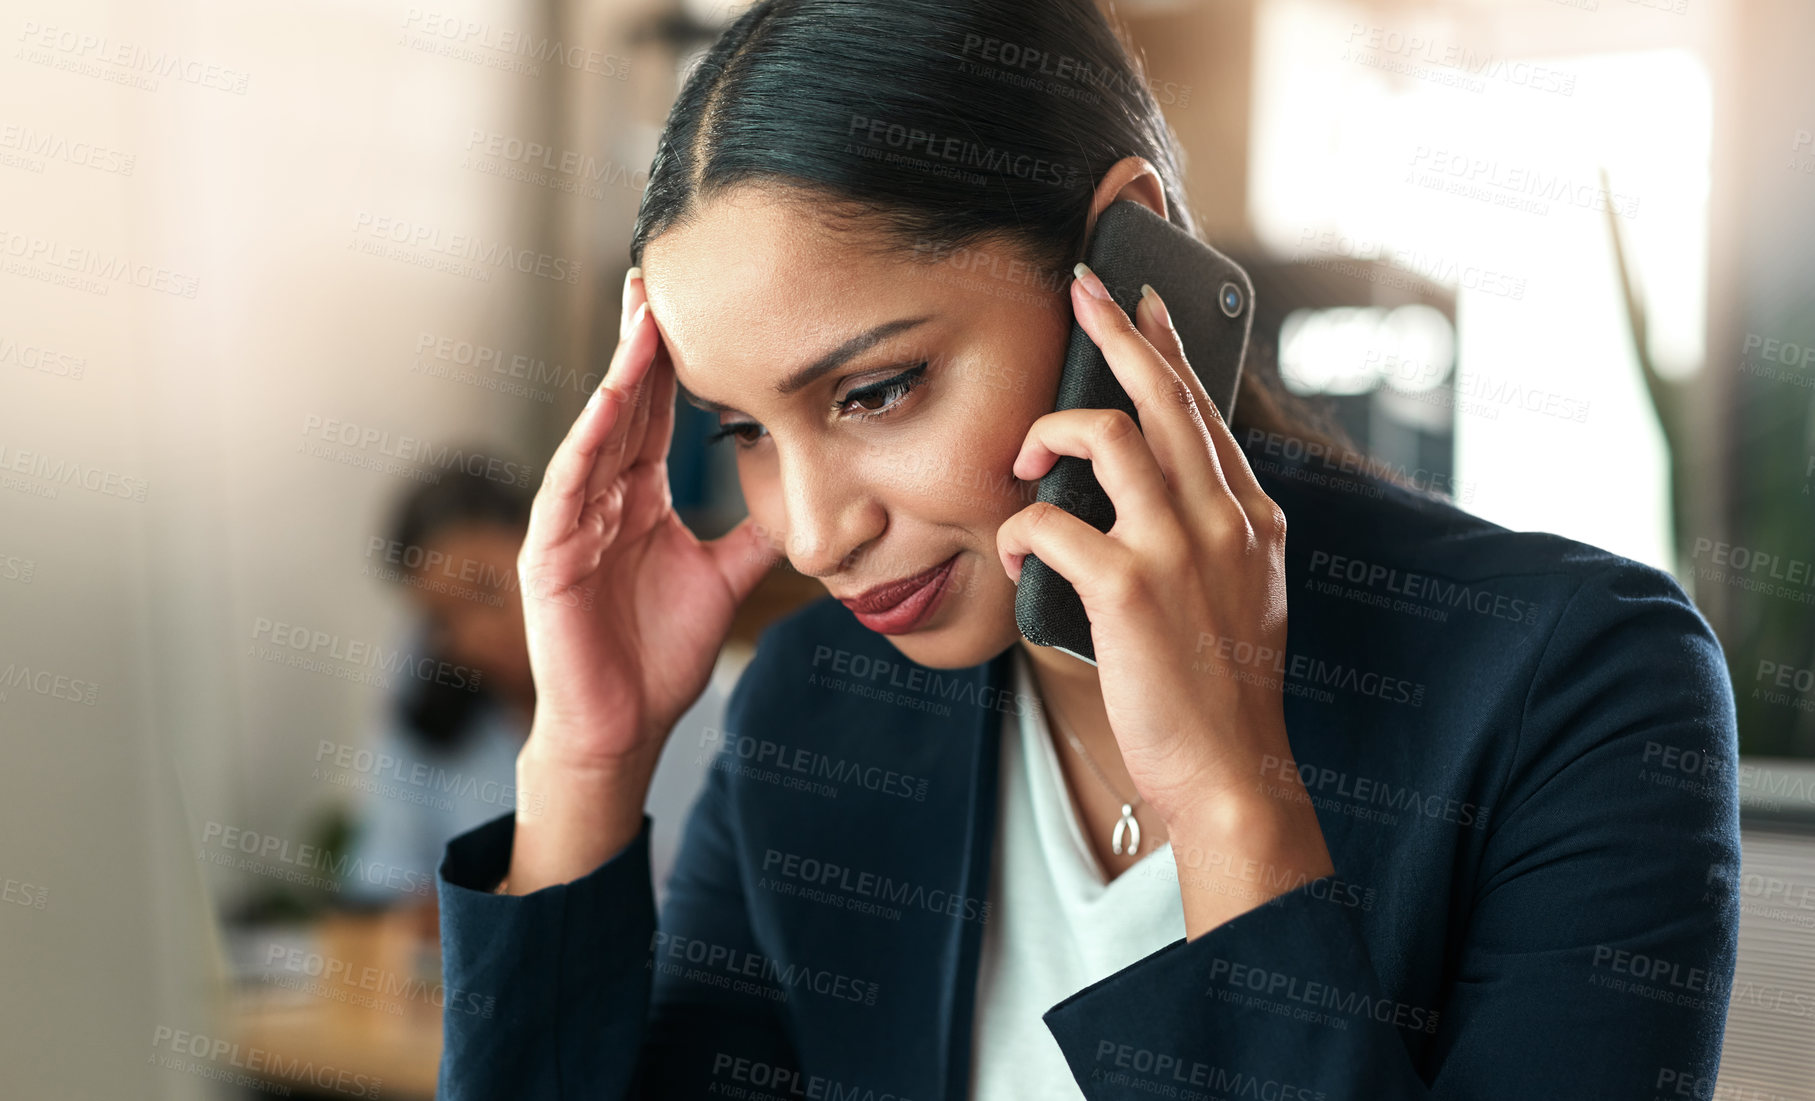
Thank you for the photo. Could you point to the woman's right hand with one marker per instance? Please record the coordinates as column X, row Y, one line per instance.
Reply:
column 624, row 609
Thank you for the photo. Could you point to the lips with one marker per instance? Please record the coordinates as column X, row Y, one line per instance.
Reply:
column 890, row 593
column 898, row 606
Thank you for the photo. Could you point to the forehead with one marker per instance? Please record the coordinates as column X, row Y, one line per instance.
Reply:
column 475, row 540
column 758, row 285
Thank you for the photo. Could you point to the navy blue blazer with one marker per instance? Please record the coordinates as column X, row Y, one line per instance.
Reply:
column 1521, row 750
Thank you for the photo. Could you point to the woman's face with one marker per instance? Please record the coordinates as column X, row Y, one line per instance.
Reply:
column 474, row 610
column 876, row 402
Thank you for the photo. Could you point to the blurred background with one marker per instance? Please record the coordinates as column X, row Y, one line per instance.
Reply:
column 296, row 299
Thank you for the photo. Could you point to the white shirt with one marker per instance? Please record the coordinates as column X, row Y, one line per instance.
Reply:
column 1055, row 925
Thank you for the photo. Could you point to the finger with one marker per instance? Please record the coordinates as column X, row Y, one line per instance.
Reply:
column 1233, row 471
column 743, row 555
column 659, row 387
column 1202, row 481
column 1167, row 409
column 1079, row 553
column 623, row 385
column 633, row 296
column 588, row 456
column 643, row 403
column 557, row 505
column 1123, row 463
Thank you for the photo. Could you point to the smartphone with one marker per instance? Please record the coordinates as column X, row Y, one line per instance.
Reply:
column 1211, row 302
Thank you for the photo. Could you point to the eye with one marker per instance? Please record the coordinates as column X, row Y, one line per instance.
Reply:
column 878, row 399
column 737, row 429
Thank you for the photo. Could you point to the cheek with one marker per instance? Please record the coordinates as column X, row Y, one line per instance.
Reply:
column 507, row 618
column 500, row 648
column 991, row 442
column 956, row 468
column 762, row 493
column 959, row 472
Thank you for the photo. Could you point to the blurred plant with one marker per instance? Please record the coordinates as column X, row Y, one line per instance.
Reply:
column 1770, row 510
column 274, row 901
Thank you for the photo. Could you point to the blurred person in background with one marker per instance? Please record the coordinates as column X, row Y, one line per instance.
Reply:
column 445, row 758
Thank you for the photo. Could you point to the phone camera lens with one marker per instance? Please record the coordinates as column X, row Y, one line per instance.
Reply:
column 1231, row 299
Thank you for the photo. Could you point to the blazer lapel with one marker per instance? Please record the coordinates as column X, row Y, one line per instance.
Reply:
column 982, row 750
column 925, row 960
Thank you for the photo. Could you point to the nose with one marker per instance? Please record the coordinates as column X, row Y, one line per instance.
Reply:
column 831, row 514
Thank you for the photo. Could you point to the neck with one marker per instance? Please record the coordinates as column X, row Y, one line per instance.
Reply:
column 1063, row 680
column 1072, row 695
column 1070, row 689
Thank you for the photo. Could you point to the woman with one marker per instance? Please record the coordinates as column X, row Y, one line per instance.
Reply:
column 1413, row 847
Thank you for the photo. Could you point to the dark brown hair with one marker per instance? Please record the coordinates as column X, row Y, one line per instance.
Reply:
column 940, row 123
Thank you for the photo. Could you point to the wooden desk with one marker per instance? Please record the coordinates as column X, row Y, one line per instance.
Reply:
column 359, row 995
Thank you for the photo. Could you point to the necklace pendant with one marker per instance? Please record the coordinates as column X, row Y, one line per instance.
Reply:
column 1126, row 824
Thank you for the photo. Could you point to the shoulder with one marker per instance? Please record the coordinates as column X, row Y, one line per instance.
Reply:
column 1350, row 522
column 1595, row 652
column 832, row 738
column 821, row 635
column 1588, row 691
column 1535, row 623
column 832, row 678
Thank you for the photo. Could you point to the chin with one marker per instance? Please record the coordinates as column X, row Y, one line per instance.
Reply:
column 968, row 640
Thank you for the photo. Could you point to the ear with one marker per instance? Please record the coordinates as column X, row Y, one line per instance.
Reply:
column 1132, row 178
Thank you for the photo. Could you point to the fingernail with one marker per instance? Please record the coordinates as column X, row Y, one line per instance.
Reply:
column 637, row 318
column 1158, row 305
column 630, row 277
column 1092, row 285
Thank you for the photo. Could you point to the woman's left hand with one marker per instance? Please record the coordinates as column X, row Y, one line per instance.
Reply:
column 1186, row 595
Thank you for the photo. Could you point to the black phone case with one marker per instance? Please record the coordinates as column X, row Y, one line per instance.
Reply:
column 1131, row 245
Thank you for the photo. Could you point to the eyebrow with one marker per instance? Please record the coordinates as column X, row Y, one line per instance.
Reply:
column 831, row 361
